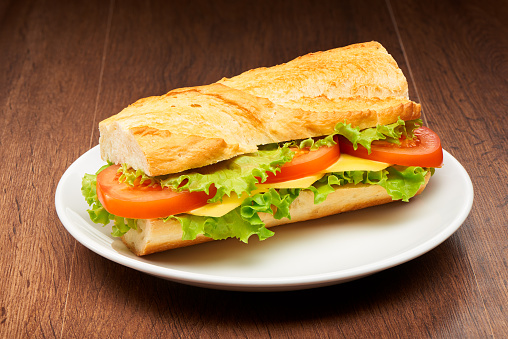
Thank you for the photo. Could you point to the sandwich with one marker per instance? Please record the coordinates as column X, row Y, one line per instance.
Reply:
column 325, row 133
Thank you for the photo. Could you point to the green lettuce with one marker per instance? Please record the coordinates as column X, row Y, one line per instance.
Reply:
column 401, row 183
column 390, row 133
column 312, row 143
column 243, row 221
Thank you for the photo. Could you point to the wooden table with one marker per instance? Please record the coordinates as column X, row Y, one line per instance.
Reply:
column 66, row 65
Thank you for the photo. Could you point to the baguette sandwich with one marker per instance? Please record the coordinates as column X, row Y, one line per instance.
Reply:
column 328, row 132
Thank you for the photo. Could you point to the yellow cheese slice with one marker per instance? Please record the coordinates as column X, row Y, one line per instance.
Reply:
column 218, row 209
column 304, row 182
column 348, row 162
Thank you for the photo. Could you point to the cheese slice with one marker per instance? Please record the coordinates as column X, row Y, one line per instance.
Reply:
column 348, row 162
column 304, row 182
column 218, row 209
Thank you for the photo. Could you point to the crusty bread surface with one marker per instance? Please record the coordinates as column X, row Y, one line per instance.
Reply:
column 197, row 126
column 360, row 70
column 155, row 235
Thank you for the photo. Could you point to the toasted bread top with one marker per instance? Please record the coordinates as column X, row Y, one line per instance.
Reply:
column 197, row 126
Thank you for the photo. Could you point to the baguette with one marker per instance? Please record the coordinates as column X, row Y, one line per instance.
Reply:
column 193, row 127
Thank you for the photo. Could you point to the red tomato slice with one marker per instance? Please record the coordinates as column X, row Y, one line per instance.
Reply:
column 142, row 202
column 305, row 163
column 424, row 151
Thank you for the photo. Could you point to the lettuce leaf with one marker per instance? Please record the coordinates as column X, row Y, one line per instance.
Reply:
column 391, row 133
column 401, row 183
column 227, row 226
column 312, row 143
column 242, row 222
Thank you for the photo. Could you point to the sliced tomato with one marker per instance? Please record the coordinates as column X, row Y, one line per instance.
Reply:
column 144, row 202
column 424, row 151
column 305, row 163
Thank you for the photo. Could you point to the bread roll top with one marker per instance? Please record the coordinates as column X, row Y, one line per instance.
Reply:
column 197, row 126
column 359, row 70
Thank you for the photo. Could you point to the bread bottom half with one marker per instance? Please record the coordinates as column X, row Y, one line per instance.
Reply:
column 155, row 235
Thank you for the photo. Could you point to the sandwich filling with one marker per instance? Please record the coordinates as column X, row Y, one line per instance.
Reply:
column 224, row 200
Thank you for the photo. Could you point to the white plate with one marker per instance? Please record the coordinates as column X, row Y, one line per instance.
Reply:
column 303, row 255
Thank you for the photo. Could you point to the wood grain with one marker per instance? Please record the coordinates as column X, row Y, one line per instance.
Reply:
column 467, row 102
column 67, row 65
column 50, row 62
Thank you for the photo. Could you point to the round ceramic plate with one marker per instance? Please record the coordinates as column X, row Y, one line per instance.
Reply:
column 303, row 255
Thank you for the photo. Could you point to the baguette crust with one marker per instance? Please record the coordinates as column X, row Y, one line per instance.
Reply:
column 359, row 70
column 193, row 127
column 155, row 235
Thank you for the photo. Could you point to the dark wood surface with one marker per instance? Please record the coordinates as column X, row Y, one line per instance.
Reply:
column 66, row 65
